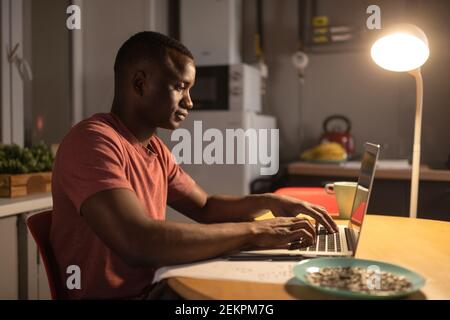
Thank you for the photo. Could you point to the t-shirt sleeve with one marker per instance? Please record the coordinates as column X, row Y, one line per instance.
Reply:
column 89, row 162
column 180, row 183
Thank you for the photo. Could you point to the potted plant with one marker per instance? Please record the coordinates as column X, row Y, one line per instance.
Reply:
column 25, row 171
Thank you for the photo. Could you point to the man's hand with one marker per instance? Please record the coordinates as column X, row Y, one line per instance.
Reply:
column 278, row 233
column 284, row 206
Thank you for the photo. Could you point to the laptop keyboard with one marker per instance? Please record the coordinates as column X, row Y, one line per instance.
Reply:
column 326, row 242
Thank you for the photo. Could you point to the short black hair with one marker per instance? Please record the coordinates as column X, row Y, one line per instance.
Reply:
column 147, row 45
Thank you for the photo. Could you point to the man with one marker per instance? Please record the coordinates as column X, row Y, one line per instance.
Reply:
column 113, row 177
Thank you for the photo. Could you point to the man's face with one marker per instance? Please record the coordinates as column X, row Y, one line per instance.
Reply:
column 166, row 101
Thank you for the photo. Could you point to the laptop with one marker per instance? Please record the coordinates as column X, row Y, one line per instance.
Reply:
column 343, row 243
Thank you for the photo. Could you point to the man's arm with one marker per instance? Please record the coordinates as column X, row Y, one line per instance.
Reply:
column 119, row 219
column 221, row 208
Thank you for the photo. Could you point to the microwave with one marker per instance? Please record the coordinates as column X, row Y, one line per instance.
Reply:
column 235, row 87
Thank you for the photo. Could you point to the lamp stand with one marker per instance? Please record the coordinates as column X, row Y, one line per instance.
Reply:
column 416, row 146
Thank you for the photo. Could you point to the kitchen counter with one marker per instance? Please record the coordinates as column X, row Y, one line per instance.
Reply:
column 391, row 189
column 15, row 206
column 336, row 170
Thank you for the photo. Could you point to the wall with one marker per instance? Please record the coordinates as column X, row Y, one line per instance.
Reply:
column 107, row 24
column 380, row 104
column 436, row 73
column 1, row 86
column 47, row 49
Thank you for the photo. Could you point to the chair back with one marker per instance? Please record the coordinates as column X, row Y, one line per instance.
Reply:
column 313, row 195
column 39, row 225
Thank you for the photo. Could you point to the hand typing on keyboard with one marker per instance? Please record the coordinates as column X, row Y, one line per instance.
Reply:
column 325, row 241
column 279, row 233
column 284, row 206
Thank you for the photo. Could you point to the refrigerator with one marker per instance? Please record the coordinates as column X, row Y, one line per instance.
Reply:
column 229, row 176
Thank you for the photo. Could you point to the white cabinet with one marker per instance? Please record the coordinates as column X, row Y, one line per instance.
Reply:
column 9, row 288
column 22, row 273
column 33, row 275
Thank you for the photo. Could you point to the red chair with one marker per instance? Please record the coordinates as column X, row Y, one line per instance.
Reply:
column 312, row 195
column 39, row 226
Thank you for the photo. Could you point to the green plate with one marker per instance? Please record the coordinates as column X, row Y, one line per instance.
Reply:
column 314, row 265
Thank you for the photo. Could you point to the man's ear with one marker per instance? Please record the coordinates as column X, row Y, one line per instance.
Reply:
column 139, row 82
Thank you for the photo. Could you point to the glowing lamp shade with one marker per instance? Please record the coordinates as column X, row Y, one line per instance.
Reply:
column 402, row 48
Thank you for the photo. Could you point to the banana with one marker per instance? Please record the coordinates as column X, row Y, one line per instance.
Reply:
column 325, row 151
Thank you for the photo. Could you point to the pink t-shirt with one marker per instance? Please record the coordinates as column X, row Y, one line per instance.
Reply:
column 100, row 153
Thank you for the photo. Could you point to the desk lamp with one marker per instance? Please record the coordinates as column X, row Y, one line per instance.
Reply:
column 404, row 48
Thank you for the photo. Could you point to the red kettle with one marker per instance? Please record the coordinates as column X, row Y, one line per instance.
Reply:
column 338, row 134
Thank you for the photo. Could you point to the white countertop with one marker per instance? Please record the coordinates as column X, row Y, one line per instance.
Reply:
column 13, row 206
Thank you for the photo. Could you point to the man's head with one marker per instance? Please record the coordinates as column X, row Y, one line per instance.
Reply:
column 153, row 76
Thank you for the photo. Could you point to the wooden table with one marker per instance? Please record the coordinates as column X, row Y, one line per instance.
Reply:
column 420, row 245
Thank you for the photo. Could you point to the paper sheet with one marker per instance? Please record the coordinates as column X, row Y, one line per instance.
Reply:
column 278, row 272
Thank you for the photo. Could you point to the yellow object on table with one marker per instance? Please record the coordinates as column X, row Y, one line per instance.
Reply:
column 329, row 151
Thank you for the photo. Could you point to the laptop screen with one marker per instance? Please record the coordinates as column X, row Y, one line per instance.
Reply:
column 362, row 194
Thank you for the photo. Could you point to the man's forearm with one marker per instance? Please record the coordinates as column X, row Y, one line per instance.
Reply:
column 167, row 243
column 222, row 208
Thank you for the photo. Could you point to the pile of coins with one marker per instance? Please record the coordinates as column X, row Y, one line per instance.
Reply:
column 359, row 280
